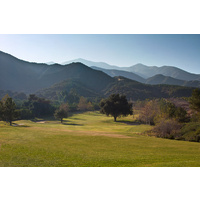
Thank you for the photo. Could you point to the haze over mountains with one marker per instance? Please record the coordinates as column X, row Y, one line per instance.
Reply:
column 143, row 70
column 48, row 80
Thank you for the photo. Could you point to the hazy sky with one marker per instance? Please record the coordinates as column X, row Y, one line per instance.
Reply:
column 182, row 51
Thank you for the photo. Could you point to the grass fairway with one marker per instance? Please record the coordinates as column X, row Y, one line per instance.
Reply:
column 90, row 139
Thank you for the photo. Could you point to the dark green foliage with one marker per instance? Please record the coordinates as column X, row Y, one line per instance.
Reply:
column 8, row 110
column 116, row 106
column 14, row 95
column 1, row 110
column 26, row 114
column 39, row 107
column 139, row 91
column 195, row 100
column 70, row 97
column 62, row 112
column 68, row 91
column 191, row 132
column 181, row 115
column 73, row 107
column 169, row 110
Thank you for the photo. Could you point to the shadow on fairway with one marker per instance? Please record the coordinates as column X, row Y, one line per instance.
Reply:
column 128, row 122
column 72, row 124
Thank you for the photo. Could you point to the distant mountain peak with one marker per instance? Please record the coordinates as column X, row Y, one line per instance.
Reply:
column 50, row 63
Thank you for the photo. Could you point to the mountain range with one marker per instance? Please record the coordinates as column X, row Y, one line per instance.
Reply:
column 48, row 80
column 143, row 70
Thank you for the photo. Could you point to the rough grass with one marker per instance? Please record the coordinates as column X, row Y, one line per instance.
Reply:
column 90, row 139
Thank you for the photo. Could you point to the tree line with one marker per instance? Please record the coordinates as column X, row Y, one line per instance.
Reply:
column 37, row 107
column 168, row 120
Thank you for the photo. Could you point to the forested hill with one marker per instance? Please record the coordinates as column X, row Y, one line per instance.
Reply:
column 19, row 75
column 49, row 80
column 132, row 89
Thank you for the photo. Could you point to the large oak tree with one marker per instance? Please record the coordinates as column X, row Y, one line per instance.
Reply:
column 116, row 106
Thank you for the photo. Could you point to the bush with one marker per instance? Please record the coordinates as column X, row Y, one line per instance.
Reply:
column 26, row 114
column 169, row 128
column 191, row 132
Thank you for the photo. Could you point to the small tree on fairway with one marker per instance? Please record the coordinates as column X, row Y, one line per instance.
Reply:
column 62, row 112
column 8, row 109
column 116, row 106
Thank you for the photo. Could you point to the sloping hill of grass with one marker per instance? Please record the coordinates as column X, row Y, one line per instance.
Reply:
column 90, row 139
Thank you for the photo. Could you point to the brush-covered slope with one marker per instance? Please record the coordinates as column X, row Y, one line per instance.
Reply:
column 161, row 79
column 55, row 91
column 114, row 72
column 167, row 80
column 135, row 90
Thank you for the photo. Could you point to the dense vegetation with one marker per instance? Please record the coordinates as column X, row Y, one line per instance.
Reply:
column 171, row 121
column 167, row 119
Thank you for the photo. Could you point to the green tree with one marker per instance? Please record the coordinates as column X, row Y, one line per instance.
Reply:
column 116, row 106
column 9, row 112
column 82, row 105
column 90, row 106
column 62, row 112
column 195, row 100
column 1, row 110
column 38, row 107
column 169, row 111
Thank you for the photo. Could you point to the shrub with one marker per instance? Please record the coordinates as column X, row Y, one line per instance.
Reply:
column 26, row 114
column 169, row 128
column 191, row 132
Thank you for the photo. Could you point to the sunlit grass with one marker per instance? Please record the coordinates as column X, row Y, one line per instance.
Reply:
column 90, row 139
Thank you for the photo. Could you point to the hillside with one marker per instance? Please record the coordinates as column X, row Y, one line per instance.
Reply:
column 174, row 72
column 135, row 90
column 55, row 91
column 22, row 76
column 167, row 80
column 114, row 72
column 161, row 79
column 154, row 80
column 49, row 80
column 142, row 70
column 132, row 89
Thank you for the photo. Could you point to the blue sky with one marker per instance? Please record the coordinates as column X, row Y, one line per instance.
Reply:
column 123, row 50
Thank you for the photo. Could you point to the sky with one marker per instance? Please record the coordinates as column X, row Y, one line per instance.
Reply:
column 123, row 50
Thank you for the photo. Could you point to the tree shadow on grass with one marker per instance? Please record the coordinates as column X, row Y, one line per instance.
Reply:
column 128, row 122
column 76, row 118
column 73, row 124
column 68, row 122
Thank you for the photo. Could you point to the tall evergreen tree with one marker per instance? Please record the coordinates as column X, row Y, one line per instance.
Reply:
column 9, row 112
